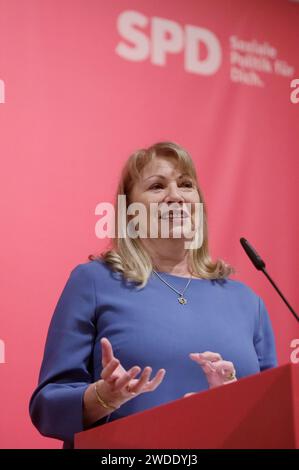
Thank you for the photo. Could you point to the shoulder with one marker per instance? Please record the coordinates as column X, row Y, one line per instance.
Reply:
column 240, row 287
column 90, row 268
column 96, row 270
column 242, row 293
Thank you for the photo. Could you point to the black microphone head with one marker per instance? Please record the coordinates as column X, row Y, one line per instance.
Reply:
column 252, row 254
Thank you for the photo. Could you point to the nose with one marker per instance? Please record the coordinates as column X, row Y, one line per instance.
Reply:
column 173, row 194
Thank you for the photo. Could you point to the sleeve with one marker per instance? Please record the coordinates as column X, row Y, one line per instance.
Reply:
column 56, row 404
column 264, row 341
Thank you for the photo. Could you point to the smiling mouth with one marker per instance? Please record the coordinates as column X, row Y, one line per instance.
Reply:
column 175, row 215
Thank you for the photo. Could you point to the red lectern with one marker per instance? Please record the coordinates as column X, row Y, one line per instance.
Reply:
column 257, row 412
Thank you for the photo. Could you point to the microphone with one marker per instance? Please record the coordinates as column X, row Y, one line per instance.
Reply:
column 260, row 265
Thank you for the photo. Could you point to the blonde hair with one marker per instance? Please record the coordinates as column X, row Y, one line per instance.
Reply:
column 128, row 255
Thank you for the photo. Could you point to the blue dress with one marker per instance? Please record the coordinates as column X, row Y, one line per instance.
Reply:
column 146, row 327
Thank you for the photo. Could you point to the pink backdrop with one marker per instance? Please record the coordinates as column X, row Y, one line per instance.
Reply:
column 82, row 85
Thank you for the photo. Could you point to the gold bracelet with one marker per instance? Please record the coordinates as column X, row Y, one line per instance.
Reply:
column 103, row 402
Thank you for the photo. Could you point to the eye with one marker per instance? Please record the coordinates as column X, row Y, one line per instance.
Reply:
column 188, row 184
column 156, row 186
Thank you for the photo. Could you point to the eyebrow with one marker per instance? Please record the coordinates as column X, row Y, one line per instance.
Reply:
column 163, row 177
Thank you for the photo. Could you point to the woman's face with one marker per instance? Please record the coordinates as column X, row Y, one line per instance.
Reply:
column 163, row 183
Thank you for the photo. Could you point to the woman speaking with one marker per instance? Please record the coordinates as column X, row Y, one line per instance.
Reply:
column 149, row 320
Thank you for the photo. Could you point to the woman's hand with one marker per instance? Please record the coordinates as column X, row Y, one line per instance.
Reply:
column 118, row 385
column 218, row 372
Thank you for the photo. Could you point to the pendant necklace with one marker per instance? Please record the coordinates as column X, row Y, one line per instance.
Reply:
column 182, row 300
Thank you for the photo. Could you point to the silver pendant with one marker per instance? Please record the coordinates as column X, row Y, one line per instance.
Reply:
column 182, row 300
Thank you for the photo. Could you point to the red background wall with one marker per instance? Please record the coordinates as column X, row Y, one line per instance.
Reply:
column 71, row 112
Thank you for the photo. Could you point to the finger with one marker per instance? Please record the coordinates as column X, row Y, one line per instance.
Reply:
column 208, row 367
column 155, row 382
column 107, row 351
column 230, row 380
column 209, row 356
column 126, row 377
column 142, row 380
column 110, row 380
column 110, row 367
column 205, row 356
column 224, row 368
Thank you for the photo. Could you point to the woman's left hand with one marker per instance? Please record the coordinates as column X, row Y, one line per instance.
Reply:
column 217, row 371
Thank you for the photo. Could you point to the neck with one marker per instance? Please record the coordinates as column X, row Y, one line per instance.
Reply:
column 170, row 257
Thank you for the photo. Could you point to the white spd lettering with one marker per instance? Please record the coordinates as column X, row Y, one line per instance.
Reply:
column 156, row 38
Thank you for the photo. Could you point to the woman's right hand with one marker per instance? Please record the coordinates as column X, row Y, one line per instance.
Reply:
column 117, row 386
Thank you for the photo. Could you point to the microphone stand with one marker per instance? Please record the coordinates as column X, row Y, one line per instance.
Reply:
column 260, row 265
